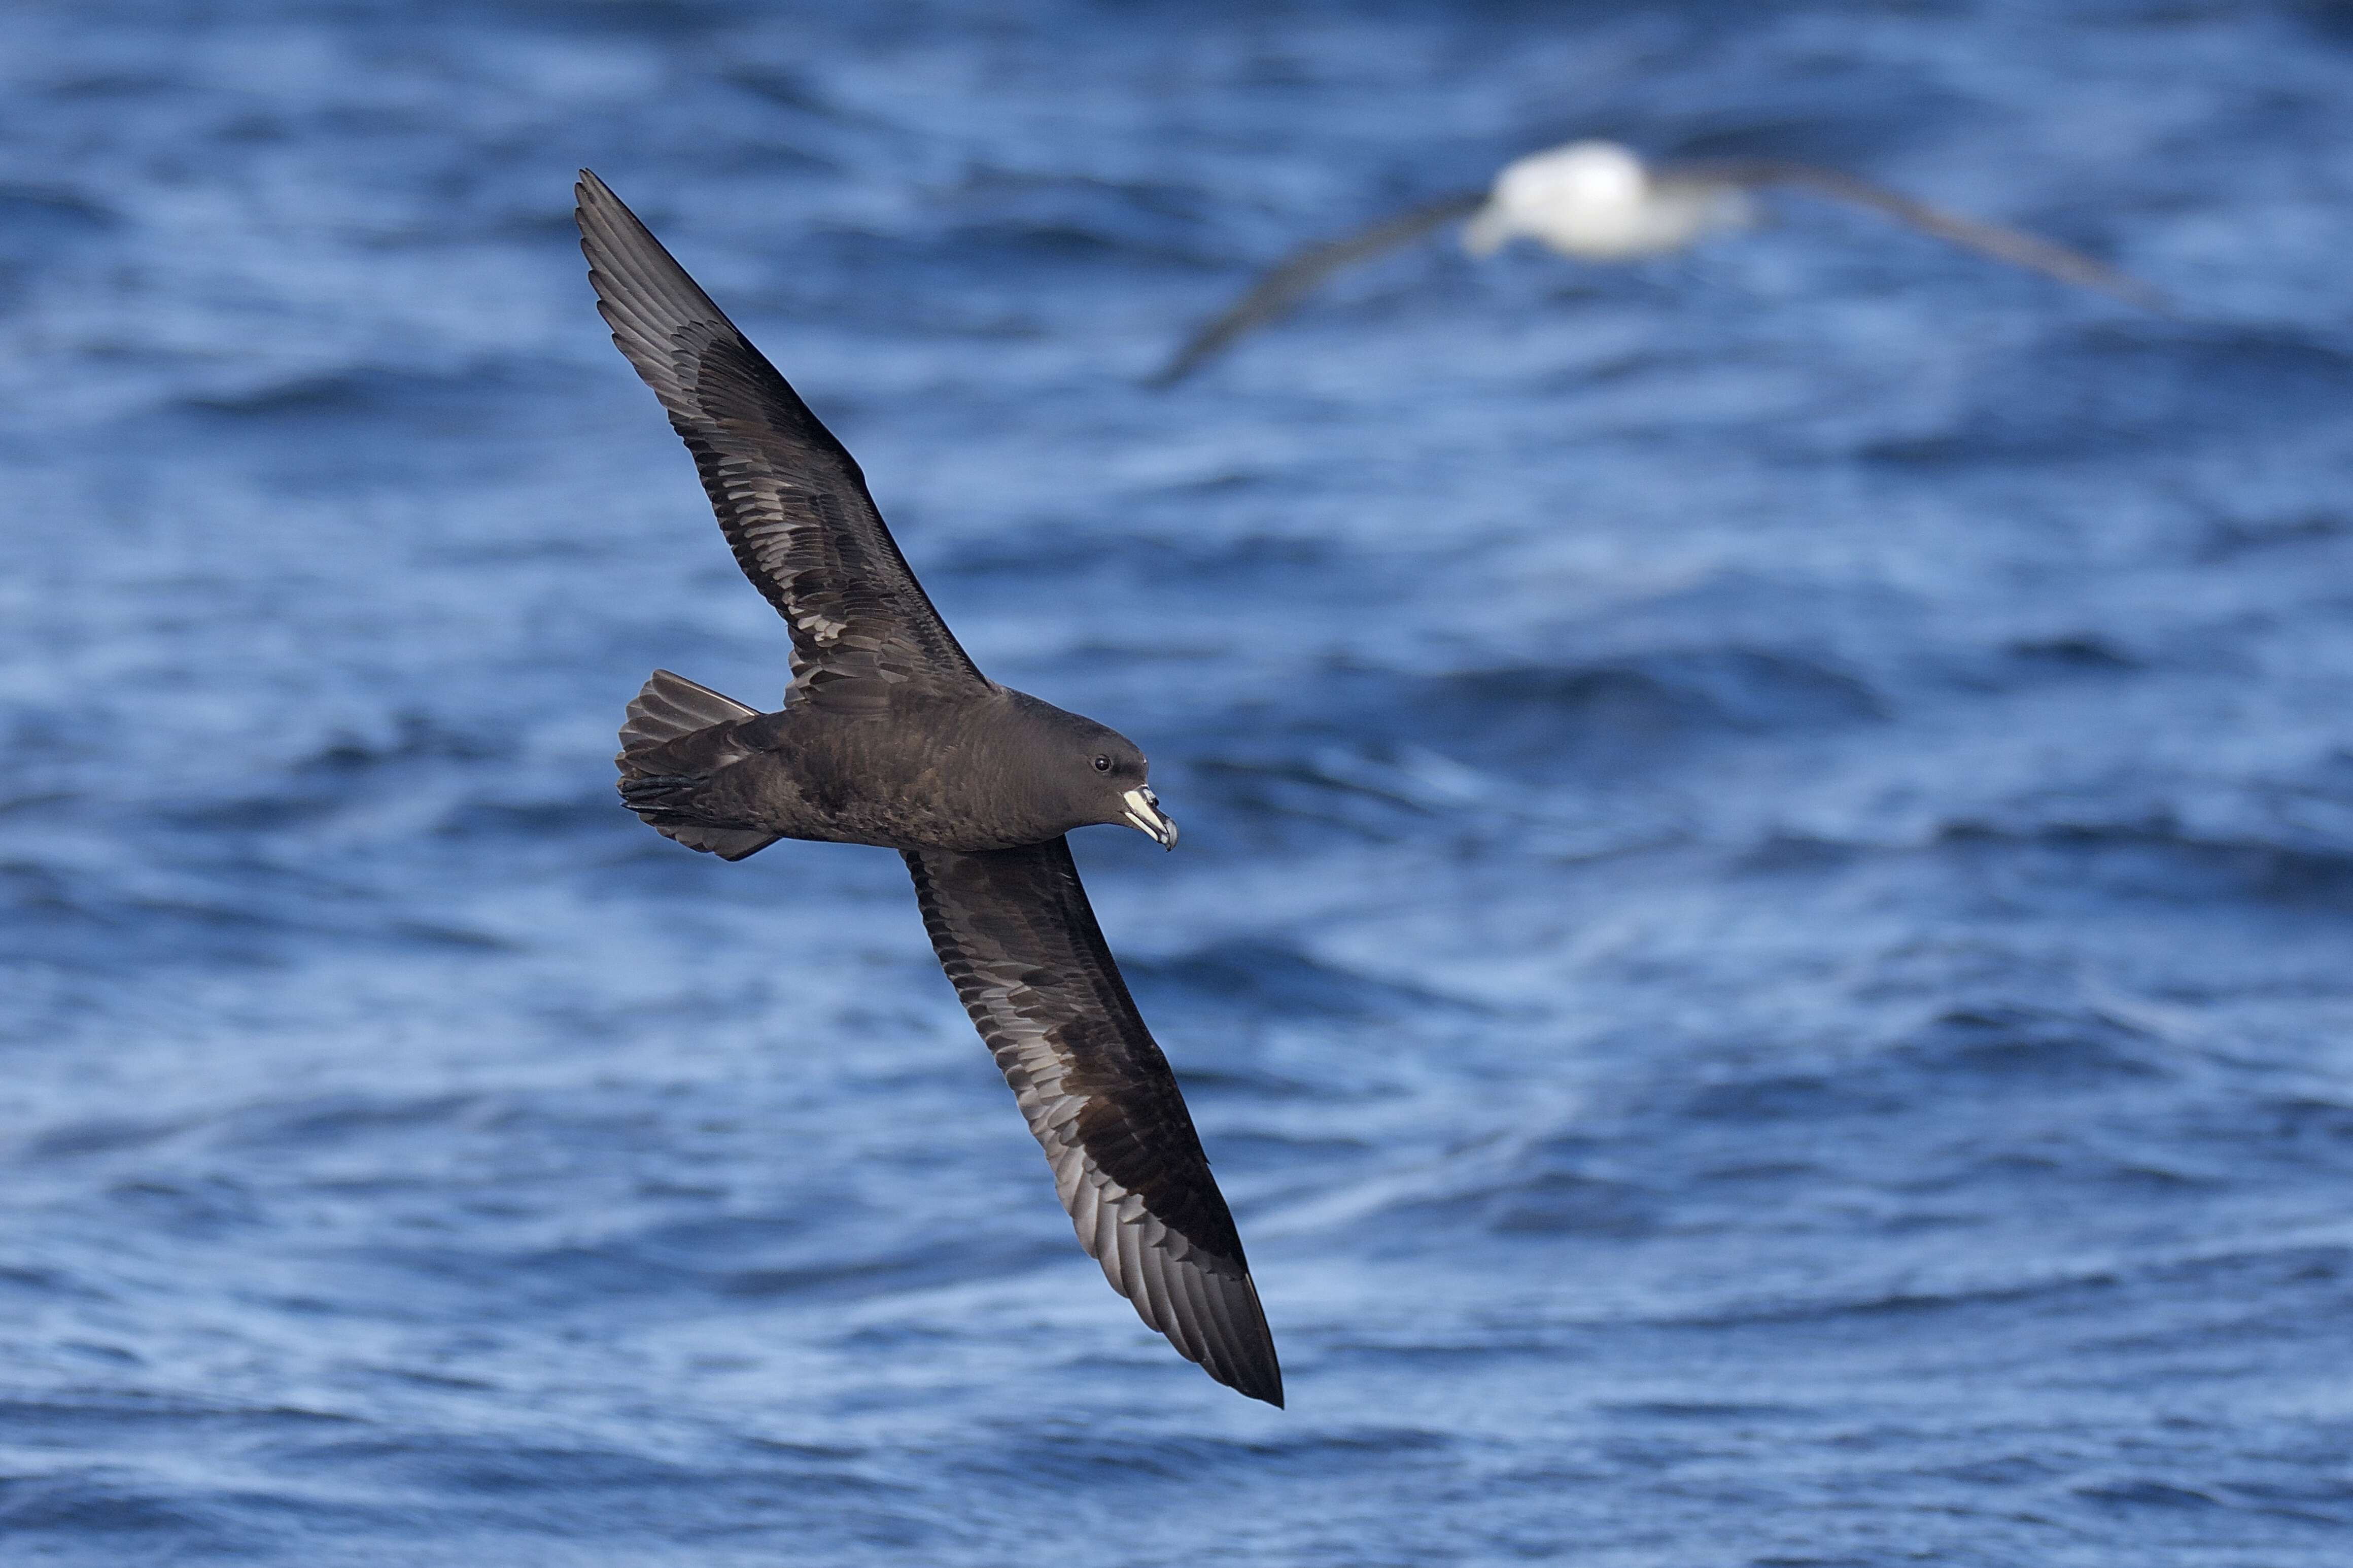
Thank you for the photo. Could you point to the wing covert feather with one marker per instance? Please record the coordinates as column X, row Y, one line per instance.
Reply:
column 1014, row 931
column 789, row 497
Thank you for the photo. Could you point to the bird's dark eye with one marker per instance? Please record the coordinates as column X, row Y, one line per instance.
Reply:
column 1102, row 764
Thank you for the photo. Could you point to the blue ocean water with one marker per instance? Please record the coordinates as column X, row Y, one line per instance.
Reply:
column 1762, row 934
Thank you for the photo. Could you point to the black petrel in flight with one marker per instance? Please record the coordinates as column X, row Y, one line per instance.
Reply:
column 889, row 735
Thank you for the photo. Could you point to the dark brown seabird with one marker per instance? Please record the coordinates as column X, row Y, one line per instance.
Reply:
column 889, row 736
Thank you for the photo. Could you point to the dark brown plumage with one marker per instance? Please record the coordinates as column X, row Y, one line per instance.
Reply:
column 889, row 735
column 1015, row 934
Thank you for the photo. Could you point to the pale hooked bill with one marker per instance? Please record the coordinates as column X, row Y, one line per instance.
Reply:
column 1144, row 812
column 1599, row 201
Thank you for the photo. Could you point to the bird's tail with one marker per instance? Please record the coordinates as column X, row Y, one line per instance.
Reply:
column 669, row 706
column 659, row 780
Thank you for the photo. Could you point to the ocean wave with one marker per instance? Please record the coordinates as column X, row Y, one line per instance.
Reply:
column 2131, row 386
column 1759, row 941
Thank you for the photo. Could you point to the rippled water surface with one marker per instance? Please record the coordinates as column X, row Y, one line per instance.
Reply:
column 1762, row 938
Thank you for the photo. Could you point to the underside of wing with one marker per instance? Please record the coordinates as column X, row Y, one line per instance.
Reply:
column 789, row 497
column 1998, row 241
column 1277, row 293
column 1016, row 935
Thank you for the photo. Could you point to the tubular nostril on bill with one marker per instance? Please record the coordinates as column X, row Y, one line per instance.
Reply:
column 1143, row 813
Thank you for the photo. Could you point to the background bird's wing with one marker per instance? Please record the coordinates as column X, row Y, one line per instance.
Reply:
column 1275, row 295
column 1017, row 937
column 790, row 499
column 2003, row 244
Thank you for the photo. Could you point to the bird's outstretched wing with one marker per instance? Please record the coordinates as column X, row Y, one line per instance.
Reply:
column 790, row 499
column 2002, row 244
column 1017, row 937
column 1275, row 294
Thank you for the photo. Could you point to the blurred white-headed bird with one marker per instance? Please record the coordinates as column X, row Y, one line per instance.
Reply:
column 1600, row 201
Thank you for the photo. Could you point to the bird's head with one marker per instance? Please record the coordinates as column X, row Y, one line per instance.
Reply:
column 1082, row 773
column 1561, row 191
